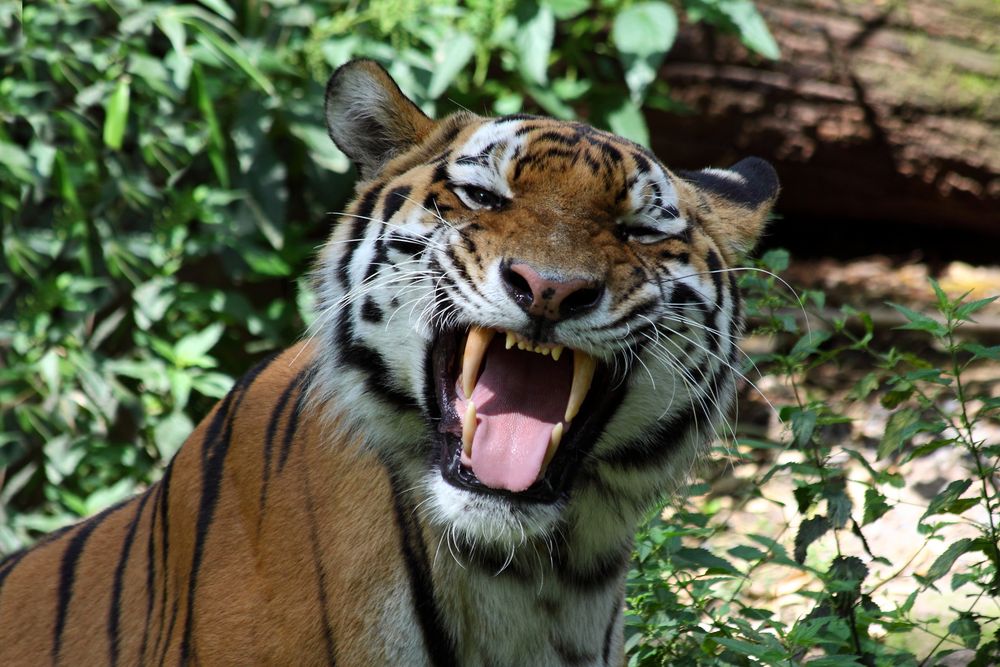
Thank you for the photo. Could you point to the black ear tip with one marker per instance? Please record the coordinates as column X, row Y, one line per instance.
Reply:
column 760, row 173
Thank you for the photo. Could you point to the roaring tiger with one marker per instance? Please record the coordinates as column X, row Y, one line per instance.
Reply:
column 526, row 333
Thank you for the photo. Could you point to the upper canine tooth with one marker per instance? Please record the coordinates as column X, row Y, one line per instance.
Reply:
column 469, row 428
column 584, row 366
column 557, row 352
column 475, row 347
column 510, row 340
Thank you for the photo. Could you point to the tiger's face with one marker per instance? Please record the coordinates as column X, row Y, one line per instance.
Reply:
column 527, row 317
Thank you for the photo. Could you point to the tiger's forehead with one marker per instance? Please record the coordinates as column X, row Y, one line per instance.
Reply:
column 513, row 153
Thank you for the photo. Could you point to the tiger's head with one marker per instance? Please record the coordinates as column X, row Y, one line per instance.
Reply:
column 529, row 320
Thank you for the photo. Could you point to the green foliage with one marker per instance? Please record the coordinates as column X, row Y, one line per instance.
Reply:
column 694, row 610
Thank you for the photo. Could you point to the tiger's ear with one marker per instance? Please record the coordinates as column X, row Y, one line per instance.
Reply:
column 741, row 198
column 369, row 117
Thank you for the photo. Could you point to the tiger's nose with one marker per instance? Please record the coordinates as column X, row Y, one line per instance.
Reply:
column 550, row 297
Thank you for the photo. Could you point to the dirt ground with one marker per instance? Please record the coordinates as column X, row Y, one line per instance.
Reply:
column 866, row 284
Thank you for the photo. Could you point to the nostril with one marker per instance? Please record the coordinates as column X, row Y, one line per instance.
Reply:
column 518, row 285
column 580, row 301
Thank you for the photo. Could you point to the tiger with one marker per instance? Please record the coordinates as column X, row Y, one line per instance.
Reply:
column 526, row 334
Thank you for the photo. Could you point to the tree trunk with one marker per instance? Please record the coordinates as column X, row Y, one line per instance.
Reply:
column 876, row 111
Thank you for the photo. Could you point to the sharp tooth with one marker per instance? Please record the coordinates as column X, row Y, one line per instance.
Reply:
column 510, row 340
column 469, row 428
column 584, row 366
column 475, row 347
column 554, row 440
column 557, row 352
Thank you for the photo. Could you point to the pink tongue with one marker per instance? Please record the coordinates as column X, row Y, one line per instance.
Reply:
column 519, row 398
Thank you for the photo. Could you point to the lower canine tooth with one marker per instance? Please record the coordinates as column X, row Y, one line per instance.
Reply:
column 554, row 440
column 584, row 366
column 469, row 428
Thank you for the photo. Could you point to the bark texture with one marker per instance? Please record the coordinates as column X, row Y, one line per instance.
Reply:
column 876, row 111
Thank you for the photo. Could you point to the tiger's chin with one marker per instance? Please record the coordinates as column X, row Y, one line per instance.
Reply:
column 516, row 419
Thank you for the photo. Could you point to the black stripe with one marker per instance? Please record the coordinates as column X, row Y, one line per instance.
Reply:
column 440, row 646
column 734, row 292
column 370, row 311
column 170, row 628
column 516, row 116
column 9, row 563
column 598, row 572
column 440, row 174
column 610, row 152
column 408, row 245
column 609, row 633
column 656, row 449
column 684, row 296
column 164, row 509
column 272, row 428
column 150, row 574
column 394, row 201
column 291, row 428
column 360, row 219
column 317, row 555
column 555, row 137
column 67, row 574
column 215, row 446
column 114, row 612
column 363, row 358
column 715, row 269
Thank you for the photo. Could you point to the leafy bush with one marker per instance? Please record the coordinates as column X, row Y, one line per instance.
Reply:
column 703, row 615
column 163, row 168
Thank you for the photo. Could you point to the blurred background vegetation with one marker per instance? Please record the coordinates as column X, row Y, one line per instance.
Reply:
column 166, row 178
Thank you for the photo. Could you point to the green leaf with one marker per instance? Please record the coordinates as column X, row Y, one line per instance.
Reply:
column 875, row 506
column 116, row 114
column 901, row 427
column 191, row 349
column 216, row 43
column 803, row 426
column 213, row 385
column 809, row 344
column 949, row 502
column 776, row 260
column 967, row 630
column 746, row 552
column 864, row 387
column 838, row 508
column 810, row 530
column 533, row 41
column 964, row 311
column 643, row 33
column 699, row 557
column 171, row 432
column 981, row 352
column 849, row 570
column 628, row 121
column 919, row 322
column 450, row 56
column 752, row 29
column 567, row 9
column 943, row 563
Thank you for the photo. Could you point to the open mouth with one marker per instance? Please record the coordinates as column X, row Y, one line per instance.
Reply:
column 517, row 416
